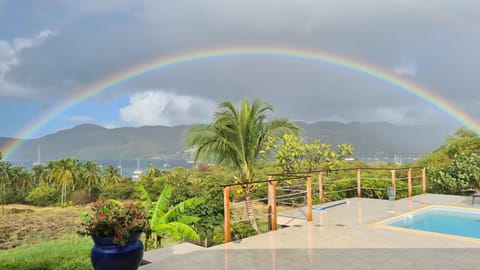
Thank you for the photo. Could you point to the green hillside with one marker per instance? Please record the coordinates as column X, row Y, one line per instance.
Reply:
column 95, row 142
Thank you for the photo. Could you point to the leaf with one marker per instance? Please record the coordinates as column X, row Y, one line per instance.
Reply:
column 188, row 219
column 180, row 208
column 161, row 206
column 186, row 231
column 144, row 196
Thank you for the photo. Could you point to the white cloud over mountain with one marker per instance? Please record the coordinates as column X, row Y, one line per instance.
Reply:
column 156, row 107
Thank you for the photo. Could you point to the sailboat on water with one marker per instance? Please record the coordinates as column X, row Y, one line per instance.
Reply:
column 39, row 158
column 137, row 172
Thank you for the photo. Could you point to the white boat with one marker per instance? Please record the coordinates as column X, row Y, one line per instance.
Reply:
column 39, row 158
column 397, row 159
column 137, row 172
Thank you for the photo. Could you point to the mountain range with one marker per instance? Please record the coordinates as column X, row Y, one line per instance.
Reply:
column 89, row 141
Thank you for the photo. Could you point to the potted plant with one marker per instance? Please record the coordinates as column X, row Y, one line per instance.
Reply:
column 115, row 228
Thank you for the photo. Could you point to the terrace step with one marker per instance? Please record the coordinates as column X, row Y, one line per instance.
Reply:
column 157, row 255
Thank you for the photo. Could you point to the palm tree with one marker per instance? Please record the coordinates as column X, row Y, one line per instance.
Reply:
column 5, row 178
column 90, row 173
column 38, row 174
column 111, row 175
column 235, row 138
column 48, row 173
column 65, row 172
column 152, row 172
column 21, row 179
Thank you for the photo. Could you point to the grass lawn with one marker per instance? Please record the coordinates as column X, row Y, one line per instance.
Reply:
column 43, row 238
column 72, row 253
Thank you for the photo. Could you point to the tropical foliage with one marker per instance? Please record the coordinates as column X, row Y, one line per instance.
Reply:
column 455, row 166
column 164, row 219
column 235, row 139
column 246, row 145
column 293, row 155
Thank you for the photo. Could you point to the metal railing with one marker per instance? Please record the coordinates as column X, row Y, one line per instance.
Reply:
column 327, row 186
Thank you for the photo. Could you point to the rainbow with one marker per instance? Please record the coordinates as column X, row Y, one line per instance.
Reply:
column 320, row 57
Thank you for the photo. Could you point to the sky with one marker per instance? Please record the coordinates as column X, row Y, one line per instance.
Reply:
column 52, row 50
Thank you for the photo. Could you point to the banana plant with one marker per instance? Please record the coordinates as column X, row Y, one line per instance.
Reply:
column 165, row 220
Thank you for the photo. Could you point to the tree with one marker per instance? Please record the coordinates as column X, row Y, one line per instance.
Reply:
column 47, row 171
column 152, row 171
column 293, row 155
column 235, row 138
column 461, row 174
column 64, row 173
column 21, row 181
column 111, row 175
column 163, row 219
column 5, row 172
column 454, row 167
column 464, row 141
column 38, row 174
column 90, row 172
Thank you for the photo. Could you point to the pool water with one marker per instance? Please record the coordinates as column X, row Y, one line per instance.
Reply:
column 441, row 220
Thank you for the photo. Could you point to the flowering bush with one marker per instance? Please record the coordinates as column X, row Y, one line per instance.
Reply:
column 111, row 218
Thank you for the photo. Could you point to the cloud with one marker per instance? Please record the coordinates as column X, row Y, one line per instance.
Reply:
column 158, row 107
column 403, row 115
column 406, row 68
column 82, row 119
column 104, row 6
column 109, row 125
column 389, row 35
column 10, row 58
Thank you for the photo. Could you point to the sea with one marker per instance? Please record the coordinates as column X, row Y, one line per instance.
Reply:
column 126, row 166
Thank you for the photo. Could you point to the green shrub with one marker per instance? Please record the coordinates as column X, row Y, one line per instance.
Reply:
column 81, row 197
column 242, row 230
column 121, row 191
column 43, row 196
column 10, row 195
column 462, row 173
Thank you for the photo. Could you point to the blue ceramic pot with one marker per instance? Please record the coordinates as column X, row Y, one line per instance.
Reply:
column 106, row 255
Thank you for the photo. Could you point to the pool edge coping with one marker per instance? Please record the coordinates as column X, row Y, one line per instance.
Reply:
column 381, row 224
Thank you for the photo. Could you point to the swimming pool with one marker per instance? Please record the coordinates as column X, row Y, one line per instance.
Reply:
column 446, row 220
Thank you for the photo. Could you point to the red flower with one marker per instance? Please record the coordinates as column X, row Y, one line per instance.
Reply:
column 110, row 218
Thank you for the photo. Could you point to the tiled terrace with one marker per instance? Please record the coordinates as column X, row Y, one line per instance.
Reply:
column 347, row 236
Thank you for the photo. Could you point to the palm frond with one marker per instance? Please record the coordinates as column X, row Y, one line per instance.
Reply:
column 237, row 135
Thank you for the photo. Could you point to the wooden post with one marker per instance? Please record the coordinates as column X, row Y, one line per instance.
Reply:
column 226, row 213
column 424, row 180
column 410, row 183
column 269, row 202
column 393, row 184
column 309, row 199
column 359, row 187
column 272, row 204
column 320, row 186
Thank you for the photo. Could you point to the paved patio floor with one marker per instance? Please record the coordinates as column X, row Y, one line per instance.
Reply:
column 347, row 236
